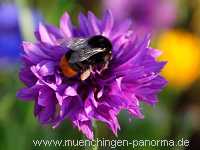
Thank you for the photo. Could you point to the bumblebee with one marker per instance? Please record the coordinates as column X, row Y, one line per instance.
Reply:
column 85, row 55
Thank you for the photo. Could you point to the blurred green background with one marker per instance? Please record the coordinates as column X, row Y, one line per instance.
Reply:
column 176, row 115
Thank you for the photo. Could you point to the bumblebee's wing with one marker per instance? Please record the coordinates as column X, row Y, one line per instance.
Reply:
column 83, row 54
column 74, row 43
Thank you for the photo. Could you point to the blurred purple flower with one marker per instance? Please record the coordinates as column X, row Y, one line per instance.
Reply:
column 147, row 14
column 132, row 76
column 10, row 36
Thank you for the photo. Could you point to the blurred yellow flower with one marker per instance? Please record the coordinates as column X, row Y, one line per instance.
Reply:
column 182, row 51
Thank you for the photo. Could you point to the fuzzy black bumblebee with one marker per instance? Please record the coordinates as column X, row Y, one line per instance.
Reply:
column 84, row 55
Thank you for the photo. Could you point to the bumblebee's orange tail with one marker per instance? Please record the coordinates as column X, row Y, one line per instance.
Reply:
column 66, row 69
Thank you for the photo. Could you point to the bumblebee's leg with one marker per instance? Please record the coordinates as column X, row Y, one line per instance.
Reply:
column 85, row 74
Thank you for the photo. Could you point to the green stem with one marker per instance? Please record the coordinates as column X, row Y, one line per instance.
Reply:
column 95, row 147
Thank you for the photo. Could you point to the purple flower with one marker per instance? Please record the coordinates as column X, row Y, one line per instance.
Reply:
column 10, row 35
column 132, row 75
column 147, row 14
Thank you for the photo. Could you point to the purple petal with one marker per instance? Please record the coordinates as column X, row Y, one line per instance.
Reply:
column 66, row 25
column 86, row 128
column 83, row 23
column 70, row 91
column 107, row 115
column 154, row 52
column 108, row 23
column 70, row 106
column 46, row 68
column 94, row 23
column 45, row 36
column 41, row 79
column 34, row 53
column 44, row 95
column 27, row 76
column 29, row 93
column 54, row 30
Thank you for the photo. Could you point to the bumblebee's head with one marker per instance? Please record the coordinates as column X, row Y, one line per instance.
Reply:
column 100, row 41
